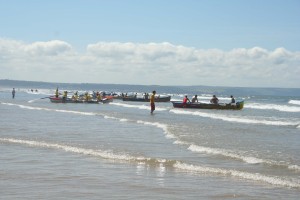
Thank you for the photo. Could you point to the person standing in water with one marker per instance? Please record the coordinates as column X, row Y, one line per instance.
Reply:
column 13, row 93
column 152, row 99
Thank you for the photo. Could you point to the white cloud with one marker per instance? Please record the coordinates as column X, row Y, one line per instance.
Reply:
column 148, row 63
column 51, row 48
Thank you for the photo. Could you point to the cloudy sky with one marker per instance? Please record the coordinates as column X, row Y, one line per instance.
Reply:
column 158, row 42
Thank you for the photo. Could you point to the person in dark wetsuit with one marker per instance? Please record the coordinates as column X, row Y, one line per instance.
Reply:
column 214, row 100
column 232, row 100
column 152, row 100
column 13, row 93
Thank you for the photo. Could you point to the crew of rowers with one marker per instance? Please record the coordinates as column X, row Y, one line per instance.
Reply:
column 75, row 96
column 213, row 100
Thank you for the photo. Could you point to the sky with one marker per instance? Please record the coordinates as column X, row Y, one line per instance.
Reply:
column 238, row 43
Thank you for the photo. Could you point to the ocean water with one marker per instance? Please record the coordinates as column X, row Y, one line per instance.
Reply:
column 121, row 151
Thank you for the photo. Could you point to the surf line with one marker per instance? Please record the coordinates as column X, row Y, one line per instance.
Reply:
column 283, row 182
column 156, row 124
column 237, row 156
column 53, row 110
column 235, row 119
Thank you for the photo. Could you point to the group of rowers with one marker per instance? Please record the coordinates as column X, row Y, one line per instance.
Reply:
column 86, row 97
column 213, row 100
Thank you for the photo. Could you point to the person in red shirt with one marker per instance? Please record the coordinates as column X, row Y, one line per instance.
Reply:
column 185, row 100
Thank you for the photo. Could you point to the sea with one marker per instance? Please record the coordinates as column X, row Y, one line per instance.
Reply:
column 121, row 151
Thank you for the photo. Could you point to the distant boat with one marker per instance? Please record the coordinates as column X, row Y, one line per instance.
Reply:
column 143, row 99
column 238, row 106
column 69, row 100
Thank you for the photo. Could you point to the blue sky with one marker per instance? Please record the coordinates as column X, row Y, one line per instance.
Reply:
column 204, row 28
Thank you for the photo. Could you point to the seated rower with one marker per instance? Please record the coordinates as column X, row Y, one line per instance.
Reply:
column 87, row 96
column 65, row 95
column 75, row 96
column 195, row 99
column 99, row 97
column 185, row 100
column 56, row 93
column 233, row 103
column 214, row 100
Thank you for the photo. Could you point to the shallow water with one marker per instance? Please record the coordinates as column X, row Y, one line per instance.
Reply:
column 120, row 151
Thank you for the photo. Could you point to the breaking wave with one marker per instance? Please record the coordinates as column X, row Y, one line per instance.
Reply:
column 48, row 109
column 273, row 180
column 235, row 119
column 142, row 107
column 295, row 102
column 181, row 166
column 238, row 156
column 282, row 108
column 170, row 135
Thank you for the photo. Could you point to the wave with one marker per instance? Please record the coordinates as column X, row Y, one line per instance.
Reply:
column 48, row 109
column 273, row 180
column 90, row 152
column 217, row 151
column 142, row 107
column 296, row 102
column 237, row 119
column 238, row 156
column 164, row 127
column 169, row 135
column 282, row 108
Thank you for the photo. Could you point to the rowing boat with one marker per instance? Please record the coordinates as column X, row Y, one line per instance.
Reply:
column 238, row 106
column 69, row 100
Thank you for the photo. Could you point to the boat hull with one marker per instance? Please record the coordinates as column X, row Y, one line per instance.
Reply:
column 238, row 106
column 68, row 100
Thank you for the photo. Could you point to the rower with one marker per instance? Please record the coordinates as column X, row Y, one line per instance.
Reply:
column 194, row 99
column 214, row 100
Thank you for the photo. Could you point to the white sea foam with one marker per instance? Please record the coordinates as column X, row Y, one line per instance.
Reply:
column 164, row 127
column 296, row 102
column 48, row 109
column 67, row 148
column 227, row 118
column 176, row 164
column 282, row 108
column 109, row 117
column 33, row 100
column 226, row 153
column 273, row 180
column 142, row 107
column 239, row 156
column 294, row 167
